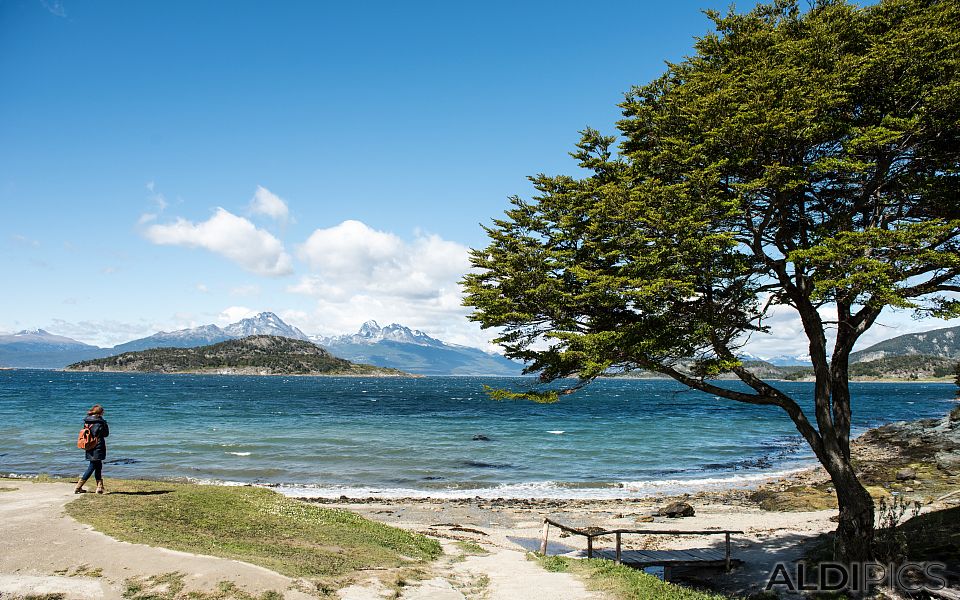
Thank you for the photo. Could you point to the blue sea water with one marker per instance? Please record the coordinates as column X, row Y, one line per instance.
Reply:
column 317, row 436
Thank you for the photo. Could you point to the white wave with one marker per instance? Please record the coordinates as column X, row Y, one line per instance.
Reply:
column 239, row 453
column 557, row 432
column 546, row 490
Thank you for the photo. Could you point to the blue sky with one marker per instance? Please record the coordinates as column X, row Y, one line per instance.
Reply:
column 170, row 164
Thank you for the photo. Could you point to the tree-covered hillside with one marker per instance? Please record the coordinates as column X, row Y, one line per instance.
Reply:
column 254, row 355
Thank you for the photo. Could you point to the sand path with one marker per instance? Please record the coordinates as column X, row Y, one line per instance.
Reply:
column 41, row 547
column 501, row 574
column 44, row 551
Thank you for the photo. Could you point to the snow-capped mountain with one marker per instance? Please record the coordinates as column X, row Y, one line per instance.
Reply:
column 784, row 360
column 42, row 350
column 371, row 333
column 265, row 323
column 781, row 360
column 413, row 351
column 394, row 346
column 38, row 338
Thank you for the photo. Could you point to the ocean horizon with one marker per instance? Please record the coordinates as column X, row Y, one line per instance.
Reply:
column 439, row 437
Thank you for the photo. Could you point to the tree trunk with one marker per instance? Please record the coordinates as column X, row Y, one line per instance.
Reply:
column 854, row 537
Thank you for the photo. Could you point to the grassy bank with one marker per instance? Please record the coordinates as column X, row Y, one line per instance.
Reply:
column 621, row 582
column 251, row 524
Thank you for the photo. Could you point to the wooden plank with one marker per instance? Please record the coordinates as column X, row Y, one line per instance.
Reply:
column 695, row 556
column 640, row 531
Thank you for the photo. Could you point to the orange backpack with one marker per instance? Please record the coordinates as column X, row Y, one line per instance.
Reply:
column 86, row 440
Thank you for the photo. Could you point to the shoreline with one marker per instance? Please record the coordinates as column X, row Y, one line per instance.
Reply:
column 884, row 380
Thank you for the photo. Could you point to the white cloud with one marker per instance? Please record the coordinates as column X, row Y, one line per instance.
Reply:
column 360, row 273
column 55, row 8
column 787, row 336
column 202, row 288
column 230, row 236
column 25, row 241
column 267, row 203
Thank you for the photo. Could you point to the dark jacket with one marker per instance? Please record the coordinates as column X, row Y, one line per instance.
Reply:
column 100, row 429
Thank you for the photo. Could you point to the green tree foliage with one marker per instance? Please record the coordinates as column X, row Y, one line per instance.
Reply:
column 802, row 158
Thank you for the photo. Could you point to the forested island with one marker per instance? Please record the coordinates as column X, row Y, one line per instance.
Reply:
column 254, row 355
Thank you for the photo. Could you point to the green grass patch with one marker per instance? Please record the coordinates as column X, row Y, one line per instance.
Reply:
column 252, row 524
column 44, row 478
column 622, row 582
column 169, row 586
column 471, row 548
column 8, row 489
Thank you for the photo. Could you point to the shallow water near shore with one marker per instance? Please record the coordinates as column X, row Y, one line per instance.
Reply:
column 424, row 437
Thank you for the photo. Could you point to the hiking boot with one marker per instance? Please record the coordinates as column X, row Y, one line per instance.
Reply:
column 100, row 487
column 79, row 489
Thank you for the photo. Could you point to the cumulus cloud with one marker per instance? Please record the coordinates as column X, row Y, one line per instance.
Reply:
column 352, row 257
column 787, row 337
column 230, row 236
column 267, row 203
column 360, row 273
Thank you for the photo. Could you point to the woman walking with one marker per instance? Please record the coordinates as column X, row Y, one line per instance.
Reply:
column 100, row 430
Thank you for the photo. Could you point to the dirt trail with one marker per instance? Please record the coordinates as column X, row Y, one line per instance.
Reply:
column 42, row 550
column 502, row 574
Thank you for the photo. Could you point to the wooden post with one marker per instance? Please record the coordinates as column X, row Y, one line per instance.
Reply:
column 589, row 546
column 546, row 531
column 727, row 535
column 618, row 548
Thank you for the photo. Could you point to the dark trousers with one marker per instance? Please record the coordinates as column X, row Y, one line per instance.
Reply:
column 93, row 468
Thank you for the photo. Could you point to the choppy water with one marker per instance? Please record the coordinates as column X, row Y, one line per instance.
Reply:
column 416, row 437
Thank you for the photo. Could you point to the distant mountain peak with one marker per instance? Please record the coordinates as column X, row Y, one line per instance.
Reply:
column 371, row 333
column 25, row 332
column 417, row 352
column 265, row 323
column 370, row 329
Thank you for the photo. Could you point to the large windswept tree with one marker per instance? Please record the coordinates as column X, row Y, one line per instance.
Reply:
column 808, row 158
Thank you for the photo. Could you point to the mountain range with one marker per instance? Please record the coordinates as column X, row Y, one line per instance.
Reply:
column 398, row 347
column 394, row 346
column 413, row 351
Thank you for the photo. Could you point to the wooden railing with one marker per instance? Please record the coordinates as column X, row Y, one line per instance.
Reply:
column 595, row 532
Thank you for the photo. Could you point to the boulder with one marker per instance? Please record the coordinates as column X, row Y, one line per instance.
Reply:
column 906, row 474
column 949, row 462
column 645, row 519
column 675, row 510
